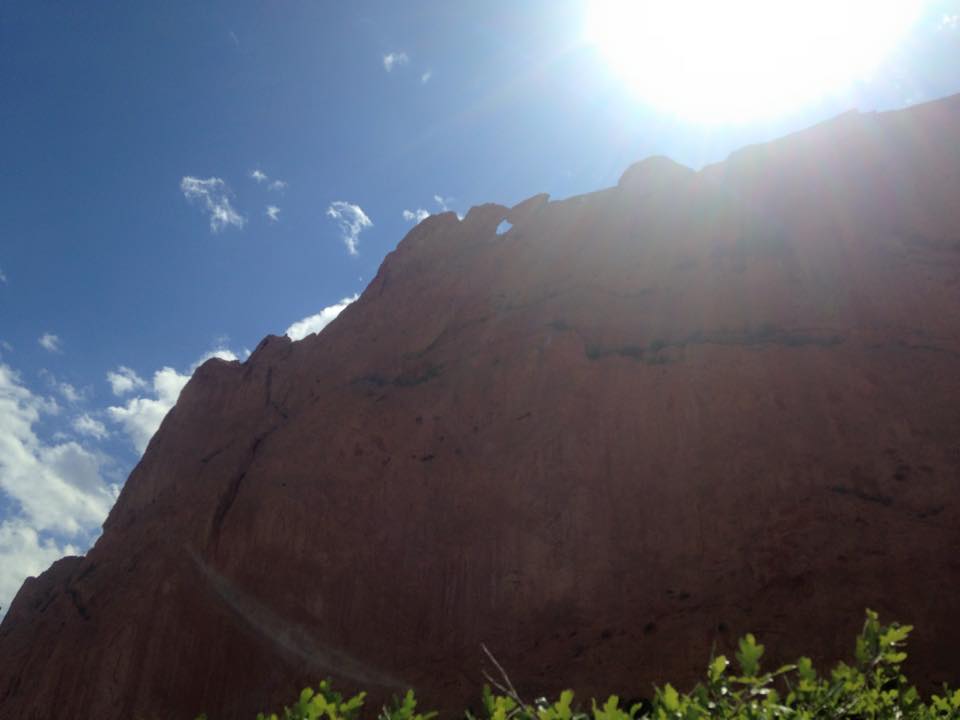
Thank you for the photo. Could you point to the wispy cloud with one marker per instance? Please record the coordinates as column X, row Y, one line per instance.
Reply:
column 949, row 22
column 23, row 554
column 58, row 491
column 214, row 196
column 276, row 184
column 49, row 342
column 394, row 59
column 69, row 392
column 273, row 212
column 315, row 323
column 60, row 488
column 416, row 216
column 57, row 487
column 140, row 417
column 419, row 215
column 86, row 425
column 352, row 220
column 425, row 77
column 3, row 277
column 124, row 380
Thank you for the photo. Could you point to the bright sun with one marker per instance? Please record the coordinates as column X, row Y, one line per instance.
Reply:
column 717, row 61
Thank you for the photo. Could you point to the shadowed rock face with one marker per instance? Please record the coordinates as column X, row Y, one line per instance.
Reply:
column 641, row 422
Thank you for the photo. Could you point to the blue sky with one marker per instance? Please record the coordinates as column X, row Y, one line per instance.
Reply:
column 143, row 145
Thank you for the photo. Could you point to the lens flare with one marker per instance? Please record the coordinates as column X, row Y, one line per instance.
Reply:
column 716, row 61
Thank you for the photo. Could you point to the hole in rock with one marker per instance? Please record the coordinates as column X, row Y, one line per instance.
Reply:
column 503, row 227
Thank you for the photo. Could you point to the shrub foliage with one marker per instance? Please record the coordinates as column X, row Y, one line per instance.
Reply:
column 872, row 688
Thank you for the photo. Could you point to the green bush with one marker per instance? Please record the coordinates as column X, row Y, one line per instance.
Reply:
column 873, row 688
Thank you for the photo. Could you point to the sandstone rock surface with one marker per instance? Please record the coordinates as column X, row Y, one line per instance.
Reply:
column 640, row 422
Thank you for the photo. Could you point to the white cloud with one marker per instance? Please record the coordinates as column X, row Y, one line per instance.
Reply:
column 124, row 380
column 55, row 489
column 416, row 216
column 86, row 425
column 140, row 417
column 315, row 323
column 3, row 278
column 261, row 177
column 221, row 353
column 950, row 22
column 214, row 196
column 49, row 342
column 23, row 554
column 59, row 486
column 419, row 215
column 69, row 392
column 273, row 212
column 394, row 59
column 352, row 221
column 425, row 77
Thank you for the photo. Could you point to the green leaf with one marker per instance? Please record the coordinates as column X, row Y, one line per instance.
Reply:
column 862, row 651
column 749, row 655
column 354, row 704
column 805, row 669
column 612, row 706
column 873, row 688
column 897, row 633
column 718, row 667
column 488, row 702
column 671, row 699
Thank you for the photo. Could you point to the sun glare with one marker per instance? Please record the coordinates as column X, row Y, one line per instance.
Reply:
column 719, row 61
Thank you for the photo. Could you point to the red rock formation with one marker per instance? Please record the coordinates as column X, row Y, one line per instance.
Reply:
column 641, row 422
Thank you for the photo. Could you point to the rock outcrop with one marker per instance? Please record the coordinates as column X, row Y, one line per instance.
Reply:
column 639, row 423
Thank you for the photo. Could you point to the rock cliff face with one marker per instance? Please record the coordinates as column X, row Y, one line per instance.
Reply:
column 641, row 422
